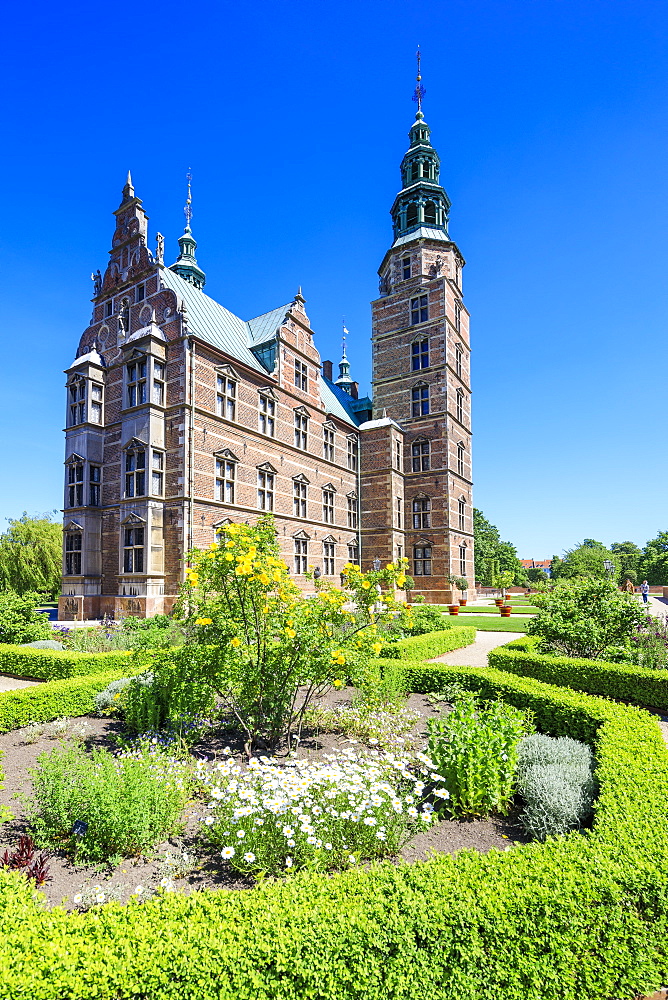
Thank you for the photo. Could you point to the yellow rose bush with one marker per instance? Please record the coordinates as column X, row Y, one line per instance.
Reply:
column 265, row 649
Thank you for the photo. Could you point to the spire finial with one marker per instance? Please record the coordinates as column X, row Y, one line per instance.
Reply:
column 418, row 94
column 343, row 340
column 187, row 211
column 128, row 190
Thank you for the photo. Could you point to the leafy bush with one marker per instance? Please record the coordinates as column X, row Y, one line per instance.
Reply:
column 132, row 634
column 319, row 815
column 435, row 643
column 649, row 645
column 23, row 859
column 418, row 619
column 112, row 700
column 172, row 693
column 585, row 618
column 19, row 621
column 130, row 801
column 43, row 702
column 475, row 750
column 385, row 728
column 556, row 779
column 48, row 664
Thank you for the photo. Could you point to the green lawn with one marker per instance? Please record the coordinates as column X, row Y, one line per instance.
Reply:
column 498, row 624
column 527, row 609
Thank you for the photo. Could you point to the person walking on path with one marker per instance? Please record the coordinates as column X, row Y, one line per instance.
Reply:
column 644, row 590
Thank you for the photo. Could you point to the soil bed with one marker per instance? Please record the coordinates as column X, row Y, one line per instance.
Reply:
column 120, row 881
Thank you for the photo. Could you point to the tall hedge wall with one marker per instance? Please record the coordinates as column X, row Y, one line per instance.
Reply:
column 583, row 916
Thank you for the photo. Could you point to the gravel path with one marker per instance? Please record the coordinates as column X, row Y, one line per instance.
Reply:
column 12, row 683
column 475, row 655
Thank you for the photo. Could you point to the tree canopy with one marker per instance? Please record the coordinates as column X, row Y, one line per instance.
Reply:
column 492, row 556
column 31, row 555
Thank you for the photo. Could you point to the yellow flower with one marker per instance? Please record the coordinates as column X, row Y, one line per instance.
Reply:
column 213, row 546
column 265, row 609
column 290, row 632
column 194, row 579
column 337, row 683
column 389, row 566
column 204, row 621
column 366, row 585
column 229, row 544
column 235, row 642
column 264, row 579
column 377, row 646
column 228, row 557
column 401, row 580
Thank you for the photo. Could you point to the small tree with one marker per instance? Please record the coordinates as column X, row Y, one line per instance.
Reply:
column 19, row 621
column 586, row 618
column 503, row 580
column 461, row 583
column 31, row 553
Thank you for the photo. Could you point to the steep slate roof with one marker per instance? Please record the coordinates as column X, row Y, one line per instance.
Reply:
column 218, row 326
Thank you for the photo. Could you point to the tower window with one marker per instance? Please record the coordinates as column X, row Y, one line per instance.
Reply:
column 299, row 497
column 460, row 459
column 458, row 360
column 73, row 554
column 421, row 456
column 75, row 485
column 301, row 554
column 328, row 443
column 96, row 403
column 301, row 376
column 226, row 397
column 352, row 453
column 135, row 473
column 415, row 171
column 133, row 550
column 420, row 401
column 301, row 431
column 267, row 416
column 94, row 485
column 328, row 558
column 265, row 490
column 77, row 401
column 406, row 265
column 158, row 395
column 462, row 514
column 328, row 506
column 421, row 513
column 136, row 383
column 462, row 560
column 226, row 474
column 422, row 560
column 458, row 315
column 420, row 354
column 430, row 213
column 460, row 406
column 140, row 293
column 158, row 461
column 109, row 308
column 419, row 310
column 397, row 455
column 352, row 511
column 426, row 169
column 398, row 508
column 412, row 215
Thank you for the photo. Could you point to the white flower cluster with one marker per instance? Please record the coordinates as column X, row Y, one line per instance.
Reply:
column 272, row 816
column 382, row 727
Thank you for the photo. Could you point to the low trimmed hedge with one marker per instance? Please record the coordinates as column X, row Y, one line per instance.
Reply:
column 585, row 915
column 622, row 681
column 44, row 702
column 52, row 664
column 419, row 647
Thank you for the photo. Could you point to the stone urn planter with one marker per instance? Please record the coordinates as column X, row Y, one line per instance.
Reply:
column 453, row 609
column 505, row 610
column 498, row 601
column 462, row 602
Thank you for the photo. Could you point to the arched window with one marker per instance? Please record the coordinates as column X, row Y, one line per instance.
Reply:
column 412, row 214
column 430, row 213
column 421, row 456
column 421, row 513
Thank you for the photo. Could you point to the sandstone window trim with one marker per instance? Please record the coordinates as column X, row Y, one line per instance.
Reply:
column 75, row 466
column 406, row 268
column 353, row 509
column 462, row 560
column 157, row 472
column 94, row 485
column 419, row 309
column 352, row 448
column 266, row 486
column 461, row 451
column 134, row 469
column 420, row 354
column 73, row 548
column 354, row 552
column 227, row 384
column 423, row 558
column 328, row 440
column 328, row 555
column 459, row 356
column 136, row 380
column 398, row 455
column 300, row 542
column 77, row 401
column 398, row 505
column 421, row 512
column 461, row 513
column 134, row 546
column 301, row 422
column 421, row 455
column 301, row 375
column 459, row 406
column 266, row 412
column 420, row 400
column 158, row 384
column 328, row 503
column 300, row 485
column 225, row 476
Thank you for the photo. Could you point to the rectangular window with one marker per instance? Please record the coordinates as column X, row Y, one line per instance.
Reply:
column 400, row 552
column 458, row 316
column 420, row 401
column 158, row 395
column 140, row 293
column 397, row 455
column 94, row 485
column 135, row 473
column 267, row 416
column 398, row 507
column 422, row 560
column 352, row 511
column 301, row 555
column 158, row 461
column 109, row 308
column 225, row 477
column 328, row 444
column 419, row 310
column 226, row 397
column 425, row 169
column 77, row 401
column 352, row 453
column 328, row 558
column 353, row 553
column 420, row 355
column 301, row 431
column 421, row 513
column 460, row 460
column 136, row 383
column 96, row 403
column 301, row 375
column 462, row 514
column 458, row 360
column 133, row 550
column 462, row 560
column 406, row 264
column 72, row 554
column 328, row 506
column 460, row 406
column 265, row 490
column 420, row 453
column 299, row 498
column 75, row 485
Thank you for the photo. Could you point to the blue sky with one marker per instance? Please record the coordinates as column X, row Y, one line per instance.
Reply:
column 550, row 122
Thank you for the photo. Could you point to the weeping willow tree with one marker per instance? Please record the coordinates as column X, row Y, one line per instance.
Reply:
column 31, row 555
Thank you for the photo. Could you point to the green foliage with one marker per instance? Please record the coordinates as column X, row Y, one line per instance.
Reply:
column 418, row 619
column 19, row 622
column 587, row 561
column 555, row 777
column 31, row 555
column 385, row 726
column 653, row 566
column 173, row 694
column 492, row 556
column 130, row 801
column 536, row 575
column 649, row 646
column 489, row 623
column 5, row 813
column 435, row 643
column 629, row 556
column 585, row 618
column 138, row 634
column 48, row 664
column 474, row 748
column 53, row 700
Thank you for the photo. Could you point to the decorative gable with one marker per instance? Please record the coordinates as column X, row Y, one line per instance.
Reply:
column 75, row 460
column 226, row 454
column 267, row 467
column 133, row 519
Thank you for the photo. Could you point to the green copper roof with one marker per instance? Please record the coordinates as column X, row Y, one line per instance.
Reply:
column 264, row 327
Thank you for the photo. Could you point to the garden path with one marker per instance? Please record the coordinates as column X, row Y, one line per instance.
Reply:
column 475, row 655
column 13, row 683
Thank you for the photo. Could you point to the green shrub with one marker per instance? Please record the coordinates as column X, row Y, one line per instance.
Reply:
column 53, row 700
column 555, row 777
column 170, row 694
column 19, row 622
column 130, row 801
column 435, row 643
column 49, row 664
column 418, row 620
column 474, row 748
column 159, row 632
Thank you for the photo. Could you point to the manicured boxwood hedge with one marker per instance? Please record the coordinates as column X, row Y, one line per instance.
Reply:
column 50, row 664
column 419, row 647
column 622, row 681
column 584, row 916
column 44, row 702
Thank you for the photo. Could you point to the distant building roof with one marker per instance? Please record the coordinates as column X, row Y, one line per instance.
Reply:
column 536, row 563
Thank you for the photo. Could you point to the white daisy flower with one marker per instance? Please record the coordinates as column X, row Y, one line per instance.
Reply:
column 241, row 834
column 100, row 897
column 77, row 899
column 249, row 857
column 369, row 821
column 288, row 862
column 227, row 852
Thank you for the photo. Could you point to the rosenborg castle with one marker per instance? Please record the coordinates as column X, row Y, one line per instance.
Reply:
column 182, row 417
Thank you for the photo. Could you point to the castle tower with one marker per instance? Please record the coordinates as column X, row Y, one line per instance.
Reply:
column 416, row 466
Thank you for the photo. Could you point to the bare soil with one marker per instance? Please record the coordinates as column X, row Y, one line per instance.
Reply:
column 67, row 879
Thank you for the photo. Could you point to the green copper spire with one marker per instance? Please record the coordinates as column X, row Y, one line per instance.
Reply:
column 344, row 381
column 186, row 263
column 422, row 203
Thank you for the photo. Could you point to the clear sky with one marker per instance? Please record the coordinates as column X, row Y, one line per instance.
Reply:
column 550, row 121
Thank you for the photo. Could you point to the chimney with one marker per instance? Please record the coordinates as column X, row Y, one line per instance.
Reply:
column 327, row 370
column 354, row 390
